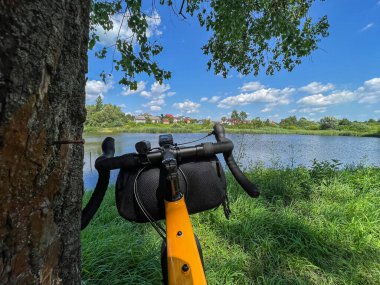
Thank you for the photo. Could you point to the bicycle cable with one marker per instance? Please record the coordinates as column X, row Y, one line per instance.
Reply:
column 197, row 140
column 159, row 229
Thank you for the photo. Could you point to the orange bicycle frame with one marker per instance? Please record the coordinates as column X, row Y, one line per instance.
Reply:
column 184, row 264
column 184, row 261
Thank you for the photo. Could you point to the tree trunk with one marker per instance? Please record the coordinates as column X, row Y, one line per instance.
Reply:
column 43, row 62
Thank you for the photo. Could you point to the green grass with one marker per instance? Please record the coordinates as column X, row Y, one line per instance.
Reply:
column 246, row 129
column 310, row 226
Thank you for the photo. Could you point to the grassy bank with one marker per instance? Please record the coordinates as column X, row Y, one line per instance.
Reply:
column 194, row 128
column 310, row 226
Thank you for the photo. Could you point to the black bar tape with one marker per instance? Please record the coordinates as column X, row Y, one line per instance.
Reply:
column 247, row 185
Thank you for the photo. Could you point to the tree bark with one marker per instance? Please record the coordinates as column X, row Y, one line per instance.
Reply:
column 43, row 62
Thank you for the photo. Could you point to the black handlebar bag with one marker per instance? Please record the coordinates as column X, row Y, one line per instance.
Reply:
column 140, row 193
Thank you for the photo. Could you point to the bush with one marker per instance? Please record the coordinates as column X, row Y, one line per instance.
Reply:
column 359, row 127
column 329, row 123
column 324, row 171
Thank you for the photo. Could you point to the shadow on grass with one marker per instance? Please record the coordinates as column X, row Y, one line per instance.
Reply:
column 284, row 248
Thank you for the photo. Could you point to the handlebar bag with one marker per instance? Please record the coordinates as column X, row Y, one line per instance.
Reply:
column 202, row 181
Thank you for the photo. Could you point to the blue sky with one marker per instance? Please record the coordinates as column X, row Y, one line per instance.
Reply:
column 341, row 79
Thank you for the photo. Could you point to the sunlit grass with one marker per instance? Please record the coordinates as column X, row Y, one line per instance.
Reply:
column 306, row 228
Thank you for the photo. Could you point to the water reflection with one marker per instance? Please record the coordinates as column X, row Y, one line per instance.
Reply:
column 271, row 150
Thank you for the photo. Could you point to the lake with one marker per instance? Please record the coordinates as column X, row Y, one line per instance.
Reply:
column 250, row 149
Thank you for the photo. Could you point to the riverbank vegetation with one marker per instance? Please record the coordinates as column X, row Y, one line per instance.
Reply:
column 108, row 118
column 309, row 226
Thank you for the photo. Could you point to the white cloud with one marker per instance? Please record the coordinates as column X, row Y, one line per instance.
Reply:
column 214, row 99
column 95, row 88
column 252, row 86
column 313, row 110
column 377, row 111
column 367, row 27
column 140, row 87
column 317, row 87
column 108, row 38
column 155, row 108
column 158, row 88
column 337, row 97
column 155, row 102
column 370, row 99
column 372, row 84
column 154, row 22
column 273, row 97
column 145, row 94
column 369, row 93
column 122, row 105
column 266, row 109
column 187, row 106
column 156, row 94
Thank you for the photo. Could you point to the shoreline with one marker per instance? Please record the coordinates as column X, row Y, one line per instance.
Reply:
column 279, row 131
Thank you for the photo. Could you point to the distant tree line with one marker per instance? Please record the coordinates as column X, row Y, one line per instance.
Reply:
column 106, row 115
column 291, row 122
column 327, row 123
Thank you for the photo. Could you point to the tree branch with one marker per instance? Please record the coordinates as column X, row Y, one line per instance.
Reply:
column 117, row 38
column 180, row 10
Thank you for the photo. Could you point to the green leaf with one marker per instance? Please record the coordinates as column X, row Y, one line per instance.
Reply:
column 245, row 35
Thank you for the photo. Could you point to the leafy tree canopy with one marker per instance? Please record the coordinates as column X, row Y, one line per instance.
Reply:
column 239, row 116
column 246, row 35
column 99, row 104
column 243, row 115
column 329, row 123
column 106, row 115
column 289, row 121
column 235, row 115
column 344, row 122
